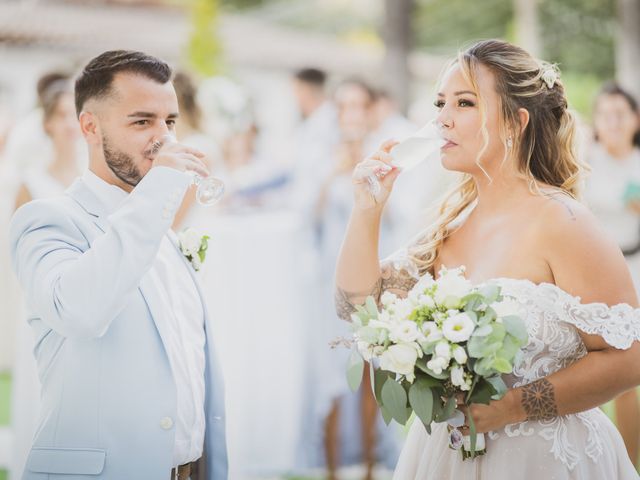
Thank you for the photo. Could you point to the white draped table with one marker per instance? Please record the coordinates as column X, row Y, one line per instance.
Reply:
column 255, row 284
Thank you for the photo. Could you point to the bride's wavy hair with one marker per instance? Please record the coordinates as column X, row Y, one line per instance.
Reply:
column 543, row 150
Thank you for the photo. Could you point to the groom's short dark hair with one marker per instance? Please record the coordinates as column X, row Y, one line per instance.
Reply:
column 97, row 76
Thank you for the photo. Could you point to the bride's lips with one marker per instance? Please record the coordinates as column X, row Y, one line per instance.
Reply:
column 449, row 144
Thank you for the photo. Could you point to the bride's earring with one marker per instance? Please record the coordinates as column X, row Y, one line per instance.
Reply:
column 509, row 142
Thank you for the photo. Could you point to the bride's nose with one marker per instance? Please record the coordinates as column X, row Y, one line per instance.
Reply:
column 443, row 120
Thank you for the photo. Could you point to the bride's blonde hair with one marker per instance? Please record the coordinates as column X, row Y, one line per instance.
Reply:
column 543, row 151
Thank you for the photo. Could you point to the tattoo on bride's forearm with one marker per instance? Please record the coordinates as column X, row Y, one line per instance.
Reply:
column 539, row 401
column 346, row 301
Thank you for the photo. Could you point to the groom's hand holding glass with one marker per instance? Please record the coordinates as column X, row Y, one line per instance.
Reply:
column 169, row 153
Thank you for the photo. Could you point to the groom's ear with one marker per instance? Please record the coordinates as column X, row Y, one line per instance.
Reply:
column 90, row 127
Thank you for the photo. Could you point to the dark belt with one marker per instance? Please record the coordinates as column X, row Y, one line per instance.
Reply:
column 183, row 472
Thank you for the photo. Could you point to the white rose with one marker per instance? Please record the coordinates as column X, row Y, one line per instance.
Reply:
column 458, row 328
column 507, row 307
column 452, row 286
column 190, row 241
column 388, row 298
column 443, row 350
column 457, row 378
column 432, row 332
column 404, row 332
column 399, row 359
column 460, row 355
column 437, row 364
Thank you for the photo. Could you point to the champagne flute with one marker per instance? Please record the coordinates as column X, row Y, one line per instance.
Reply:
column 412, row 151
column 209, row 189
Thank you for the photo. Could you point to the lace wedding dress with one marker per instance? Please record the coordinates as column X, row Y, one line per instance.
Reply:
column 584, row 446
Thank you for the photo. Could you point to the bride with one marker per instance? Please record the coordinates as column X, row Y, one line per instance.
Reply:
column 514, row 220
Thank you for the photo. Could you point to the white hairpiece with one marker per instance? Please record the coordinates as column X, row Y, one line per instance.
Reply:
column 549, row 76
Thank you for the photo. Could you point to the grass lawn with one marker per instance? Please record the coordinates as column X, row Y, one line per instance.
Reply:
column 5, row 395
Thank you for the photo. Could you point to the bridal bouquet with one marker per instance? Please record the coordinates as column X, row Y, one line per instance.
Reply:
column 446, row 338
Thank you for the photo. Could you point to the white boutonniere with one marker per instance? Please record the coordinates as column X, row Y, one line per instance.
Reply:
column 193, row 246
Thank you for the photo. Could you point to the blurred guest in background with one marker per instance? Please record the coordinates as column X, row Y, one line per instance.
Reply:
column 59, row 122
column 189, row 131
column 351, row 433
column 314, row 140
column 613, row 193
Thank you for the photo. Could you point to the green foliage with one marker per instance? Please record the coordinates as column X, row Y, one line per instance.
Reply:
column 205, row 49
column 444, row 26
column 577, row 34
column 355, row 370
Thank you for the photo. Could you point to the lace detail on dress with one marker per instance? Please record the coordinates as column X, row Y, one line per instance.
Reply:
column 553, row 318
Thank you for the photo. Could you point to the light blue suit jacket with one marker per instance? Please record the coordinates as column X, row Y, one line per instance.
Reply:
column 108, row 393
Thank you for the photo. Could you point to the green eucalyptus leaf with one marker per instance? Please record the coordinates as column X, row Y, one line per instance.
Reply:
column 516, row 327
column 499, row 386
column 421, row 400
column 371, row 306
column 394, row 399
column 355, row 369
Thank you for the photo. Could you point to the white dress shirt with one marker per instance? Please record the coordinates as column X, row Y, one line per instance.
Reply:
column 181, row 329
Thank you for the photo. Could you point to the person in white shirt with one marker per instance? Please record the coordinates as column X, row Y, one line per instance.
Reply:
column 613, row 194
column 314, row 140
column 131, row 386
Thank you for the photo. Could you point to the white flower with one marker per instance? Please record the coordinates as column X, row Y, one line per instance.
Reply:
column 404, row 332
column 460, row 355
column 426, row 301
column 458, row 328
column 431, row 331
column 452, row 286
column 190, row 242
column 196, row 262
column 437, row 364
column 458, row 378
column 399, row 359
column 507, row 307
column 369, row 351
column 388, row 298
column 443, row 350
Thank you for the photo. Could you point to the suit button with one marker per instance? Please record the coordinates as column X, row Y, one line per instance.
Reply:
column 166, row 423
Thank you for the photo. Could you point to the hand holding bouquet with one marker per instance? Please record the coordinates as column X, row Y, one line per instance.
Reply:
column 445, row 339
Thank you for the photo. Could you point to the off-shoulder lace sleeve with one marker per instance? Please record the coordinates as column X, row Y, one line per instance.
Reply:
column 618, row 325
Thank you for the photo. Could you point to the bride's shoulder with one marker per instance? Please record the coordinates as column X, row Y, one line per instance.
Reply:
column 583, row 258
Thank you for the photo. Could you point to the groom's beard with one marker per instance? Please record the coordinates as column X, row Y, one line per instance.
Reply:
column 121, row 164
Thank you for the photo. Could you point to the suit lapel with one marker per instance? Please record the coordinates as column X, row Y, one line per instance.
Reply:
column 83, row 195
column 89, row 202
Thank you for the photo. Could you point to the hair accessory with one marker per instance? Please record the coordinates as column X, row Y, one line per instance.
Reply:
column 550, row 76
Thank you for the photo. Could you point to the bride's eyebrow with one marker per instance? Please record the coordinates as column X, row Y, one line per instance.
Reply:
column 461, row 92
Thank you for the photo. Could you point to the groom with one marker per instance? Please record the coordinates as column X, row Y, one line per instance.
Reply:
column 131, row 387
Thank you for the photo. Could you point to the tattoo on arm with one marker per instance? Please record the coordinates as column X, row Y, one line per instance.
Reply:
column 538, row 400
column 397, row 281
column 346, row 301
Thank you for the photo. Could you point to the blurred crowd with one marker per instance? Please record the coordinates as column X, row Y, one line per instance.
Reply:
column 341, row 121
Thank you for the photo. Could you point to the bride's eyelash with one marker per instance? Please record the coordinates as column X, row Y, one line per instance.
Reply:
column 461, row 103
